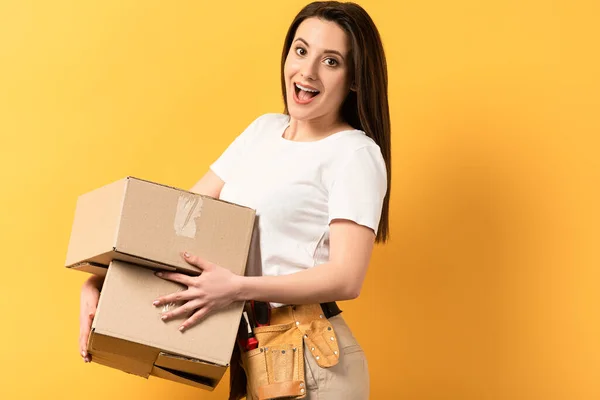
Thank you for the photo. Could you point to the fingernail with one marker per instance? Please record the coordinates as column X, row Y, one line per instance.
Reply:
column 164, row 317
column 159, row 274
column 186, row 254
column 83, row 354
column 155, row 302
column 181, row 328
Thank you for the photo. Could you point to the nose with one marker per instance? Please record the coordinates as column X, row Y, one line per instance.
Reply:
column 309, row 69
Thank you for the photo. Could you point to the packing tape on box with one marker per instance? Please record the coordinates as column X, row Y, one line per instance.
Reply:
column 189, row 207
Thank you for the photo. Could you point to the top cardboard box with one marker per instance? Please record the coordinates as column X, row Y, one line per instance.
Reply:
column 149, row 224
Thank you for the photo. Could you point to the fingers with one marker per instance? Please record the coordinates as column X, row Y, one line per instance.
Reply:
column 83, row 344
column 174, row 298
column 195, row 318
column 85, row 326
column 176, row 277
column 183, row 310
column 185, row 279
column 195, row 261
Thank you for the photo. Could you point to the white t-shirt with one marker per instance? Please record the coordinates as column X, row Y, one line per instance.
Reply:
column 298, row 188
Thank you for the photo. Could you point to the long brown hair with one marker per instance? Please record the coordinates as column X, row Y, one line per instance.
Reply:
column 366, row 108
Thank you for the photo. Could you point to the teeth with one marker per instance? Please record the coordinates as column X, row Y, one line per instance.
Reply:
column 306, row 89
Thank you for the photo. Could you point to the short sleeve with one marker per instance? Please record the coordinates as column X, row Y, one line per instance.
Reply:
column 228, row 162
column 359, row 187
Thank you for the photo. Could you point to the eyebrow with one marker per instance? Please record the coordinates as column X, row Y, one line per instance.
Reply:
column 326, row 51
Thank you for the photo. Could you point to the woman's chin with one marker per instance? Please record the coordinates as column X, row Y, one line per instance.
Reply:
column 300, row 116
column 299, row 112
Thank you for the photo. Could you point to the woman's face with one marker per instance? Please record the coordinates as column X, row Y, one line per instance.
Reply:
column 317, row 69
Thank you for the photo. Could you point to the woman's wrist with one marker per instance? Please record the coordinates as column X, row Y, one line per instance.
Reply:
column 239, row 288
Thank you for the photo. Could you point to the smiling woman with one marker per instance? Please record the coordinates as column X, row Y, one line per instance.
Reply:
column 316, row 73
column 318, row 176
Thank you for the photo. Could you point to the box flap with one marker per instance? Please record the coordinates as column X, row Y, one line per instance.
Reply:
column 150, row 264
column 159, row 222
column 96, row 222
column 91, row 268
column 125, row 311
column 190, row 366
column 98, row 265
column 126, row 356
column 182, row 377
column 112, row 345
column 129, row 365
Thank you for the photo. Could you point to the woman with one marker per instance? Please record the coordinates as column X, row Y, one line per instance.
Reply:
column 318, row 177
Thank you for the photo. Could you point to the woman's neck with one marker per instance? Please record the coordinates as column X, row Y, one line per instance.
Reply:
column 314, row 129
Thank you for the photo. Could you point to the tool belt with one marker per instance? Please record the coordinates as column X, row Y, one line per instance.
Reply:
column 275, row 368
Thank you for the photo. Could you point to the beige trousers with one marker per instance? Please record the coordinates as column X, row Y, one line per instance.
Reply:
column 348, row 380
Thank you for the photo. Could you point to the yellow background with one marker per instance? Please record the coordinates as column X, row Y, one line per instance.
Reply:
column 488, row 288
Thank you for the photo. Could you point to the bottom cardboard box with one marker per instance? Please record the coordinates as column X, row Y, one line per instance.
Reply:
column 167, row 366
column 128, row 334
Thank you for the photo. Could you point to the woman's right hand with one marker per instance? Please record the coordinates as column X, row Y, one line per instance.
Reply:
column 90, row 294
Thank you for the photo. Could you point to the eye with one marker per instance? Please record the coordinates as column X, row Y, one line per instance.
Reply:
column 300, row 51
column 332, row 62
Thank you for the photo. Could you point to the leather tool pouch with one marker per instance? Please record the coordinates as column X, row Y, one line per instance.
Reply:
column 276, row 368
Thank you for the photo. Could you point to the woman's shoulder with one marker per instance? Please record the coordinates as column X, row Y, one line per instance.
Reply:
column 355, row 139
column 355, row 146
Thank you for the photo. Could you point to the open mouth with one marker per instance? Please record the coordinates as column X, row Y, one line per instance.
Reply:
column 305, row 94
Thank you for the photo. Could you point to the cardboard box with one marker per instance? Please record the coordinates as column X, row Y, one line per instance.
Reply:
column 136, row 226
column 128, row 334
column 150, row 224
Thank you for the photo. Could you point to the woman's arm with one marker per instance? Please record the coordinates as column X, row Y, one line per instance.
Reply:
column 341, row 278
column 209, row 185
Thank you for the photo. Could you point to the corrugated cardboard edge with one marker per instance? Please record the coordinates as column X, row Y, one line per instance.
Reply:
column 90, row 267
column 180, row 377
column 191, row 366
column 145, row 262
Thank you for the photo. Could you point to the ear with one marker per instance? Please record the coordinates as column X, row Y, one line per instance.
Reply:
column 353, row 87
